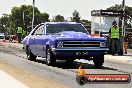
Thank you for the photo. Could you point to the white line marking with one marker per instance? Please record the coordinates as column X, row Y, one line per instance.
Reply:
column 6, row 81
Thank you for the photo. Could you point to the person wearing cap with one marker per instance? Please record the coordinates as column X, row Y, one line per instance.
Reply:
column 114, row 34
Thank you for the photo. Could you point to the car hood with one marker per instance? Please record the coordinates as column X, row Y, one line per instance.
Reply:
column 71, row 35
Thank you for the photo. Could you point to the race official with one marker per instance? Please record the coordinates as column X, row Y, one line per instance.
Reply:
column 114, row 34
column 19, row 34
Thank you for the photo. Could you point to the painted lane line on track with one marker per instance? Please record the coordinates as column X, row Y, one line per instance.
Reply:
column 129, row 60
column 124, row 59
column 6, row 81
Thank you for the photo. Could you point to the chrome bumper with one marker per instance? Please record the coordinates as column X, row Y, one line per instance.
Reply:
column 80, row 49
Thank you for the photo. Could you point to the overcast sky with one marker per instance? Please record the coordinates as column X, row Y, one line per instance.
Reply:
column 63, row 7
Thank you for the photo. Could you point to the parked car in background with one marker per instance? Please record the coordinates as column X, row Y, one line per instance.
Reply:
column 11, row 37
column 64, row 41
column 2, row 37
column 7, row 37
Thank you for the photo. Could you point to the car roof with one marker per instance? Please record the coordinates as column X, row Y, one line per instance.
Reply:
column 60, row 23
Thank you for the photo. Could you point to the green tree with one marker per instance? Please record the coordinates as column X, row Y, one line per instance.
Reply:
column 58, row 18
column 86, row 22
column 76, row 16
column 43, row 17
column 11, row 25
column 128, row 10
column 22, row 16
column 4, row 23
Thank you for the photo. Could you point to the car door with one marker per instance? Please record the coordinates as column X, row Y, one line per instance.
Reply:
column 38, row 40
column 33, row 40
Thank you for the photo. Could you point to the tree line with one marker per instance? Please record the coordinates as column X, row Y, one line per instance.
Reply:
column 22, row 16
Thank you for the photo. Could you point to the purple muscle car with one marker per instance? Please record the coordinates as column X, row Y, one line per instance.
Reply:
column 64, row 41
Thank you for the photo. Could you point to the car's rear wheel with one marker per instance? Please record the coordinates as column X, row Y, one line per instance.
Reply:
column 98, row 61
column 30, row 55
column 50, row 59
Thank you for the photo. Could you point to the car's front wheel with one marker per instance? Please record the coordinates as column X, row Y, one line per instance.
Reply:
column 30, row 55
column 50, row 59
column 98, row 61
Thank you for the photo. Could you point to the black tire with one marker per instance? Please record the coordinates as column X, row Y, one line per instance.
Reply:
column 98, row 61
column 50, row 59
column 30, row 55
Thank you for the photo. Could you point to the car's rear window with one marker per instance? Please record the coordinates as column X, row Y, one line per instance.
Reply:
column 55, row 28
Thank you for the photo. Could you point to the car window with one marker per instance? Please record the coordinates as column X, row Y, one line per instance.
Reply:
column 55, row 28
column 39, row 30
